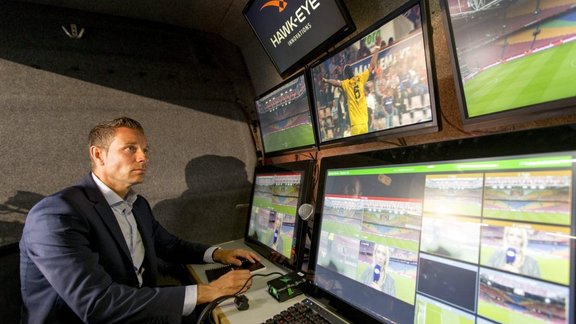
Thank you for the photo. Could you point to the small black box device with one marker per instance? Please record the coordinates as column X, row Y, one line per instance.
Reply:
column 287, row 286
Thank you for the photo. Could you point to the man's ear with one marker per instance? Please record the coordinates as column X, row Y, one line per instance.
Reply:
column 97, row 154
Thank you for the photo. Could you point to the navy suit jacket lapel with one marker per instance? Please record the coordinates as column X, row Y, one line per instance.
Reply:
column 141, row 214
column 105, row 212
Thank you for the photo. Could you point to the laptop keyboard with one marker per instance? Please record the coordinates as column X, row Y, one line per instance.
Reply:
column 305, row 311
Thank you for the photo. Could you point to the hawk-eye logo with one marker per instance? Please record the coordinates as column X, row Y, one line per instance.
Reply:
column 281, row 4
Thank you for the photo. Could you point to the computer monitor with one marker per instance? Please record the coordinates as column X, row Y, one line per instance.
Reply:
column 274, row 228
column 473, row 230
column 512, row 60
column 294, row 32
column 285, row 117
column 396, row 97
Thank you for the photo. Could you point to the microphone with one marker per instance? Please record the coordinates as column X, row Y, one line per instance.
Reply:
column 275, row 236
column 305, row 211
column 510, row 255
column 377, row 273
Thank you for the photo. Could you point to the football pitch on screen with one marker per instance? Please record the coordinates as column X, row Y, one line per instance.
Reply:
column 299, row 136
column 536, row 78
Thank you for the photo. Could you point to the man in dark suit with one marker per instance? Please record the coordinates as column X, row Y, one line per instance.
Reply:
column 88, row 253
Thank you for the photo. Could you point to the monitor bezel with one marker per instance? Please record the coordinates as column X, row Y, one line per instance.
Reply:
column 296, row 149
column 555, row 139
column 300, row 227
column 426, row 127
column 523, row 114
column 348, row 28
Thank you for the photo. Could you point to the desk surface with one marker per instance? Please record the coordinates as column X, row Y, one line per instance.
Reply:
column 262, row 305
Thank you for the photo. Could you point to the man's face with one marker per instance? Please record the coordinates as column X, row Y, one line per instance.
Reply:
column 125, row 161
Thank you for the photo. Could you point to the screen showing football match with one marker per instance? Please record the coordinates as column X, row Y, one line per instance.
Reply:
column 513, row 54
column 274, row 210
column 378, row 83
column 285, row 117
column 464, row 241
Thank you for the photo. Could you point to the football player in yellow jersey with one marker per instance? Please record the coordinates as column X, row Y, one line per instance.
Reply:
column 353, row 87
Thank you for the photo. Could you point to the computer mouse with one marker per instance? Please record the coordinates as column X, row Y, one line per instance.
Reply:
column 241, row 302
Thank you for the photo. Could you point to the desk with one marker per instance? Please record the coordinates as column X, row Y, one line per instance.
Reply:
column 262, row 305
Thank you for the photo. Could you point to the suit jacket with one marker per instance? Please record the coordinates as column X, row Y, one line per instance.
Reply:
column 75, row 265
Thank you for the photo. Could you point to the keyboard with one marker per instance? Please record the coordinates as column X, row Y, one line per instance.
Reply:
column 215, row 273
column 306, row 311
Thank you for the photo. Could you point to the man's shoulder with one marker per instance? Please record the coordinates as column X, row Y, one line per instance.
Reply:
column 64, row 202
column 141, row 201
column 63, row 197
column 73, row 193
column 346, row 82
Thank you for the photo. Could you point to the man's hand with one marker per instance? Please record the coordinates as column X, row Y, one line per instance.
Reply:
column 235, row 281
column 384, row 179
column 234, row 256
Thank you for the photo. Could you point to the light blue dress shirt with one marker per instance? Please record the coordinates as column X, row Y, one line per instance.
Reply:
column 122, row 209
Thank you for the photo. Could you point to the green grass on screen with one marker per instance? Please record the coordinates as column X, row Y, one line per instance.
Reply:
column 540, row 77
column 299, row 136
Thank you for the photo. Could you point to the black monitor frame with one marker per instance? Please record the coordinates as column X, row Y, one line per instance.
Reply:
column 299, row 18
column 303, row 147
column 488, row 28
column 418, row 119
column 555, row 139
column 294, row 263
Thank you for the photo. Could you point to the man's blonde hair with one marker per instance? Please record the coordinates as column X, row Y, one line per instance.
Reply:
column 102, row 134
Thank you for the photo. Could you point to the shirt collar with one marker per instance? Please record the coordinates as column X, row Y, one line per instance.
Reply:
column 112, row 198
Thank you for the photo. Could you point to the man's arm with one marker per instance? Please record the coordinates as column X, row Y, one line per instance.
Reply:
column 237, row 281
column 232, row 282
column 336, row 83
column 61, row 263
column 374, row 59
column 234, row 256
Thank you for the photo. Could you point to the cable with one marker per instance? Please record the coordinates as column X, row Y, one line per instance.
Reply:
column 445, row 118
column 210, row 307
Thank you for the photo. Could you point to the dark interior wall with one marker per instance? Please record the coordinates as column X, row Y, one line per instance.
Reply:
column 10, row 293
column 184, row 87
